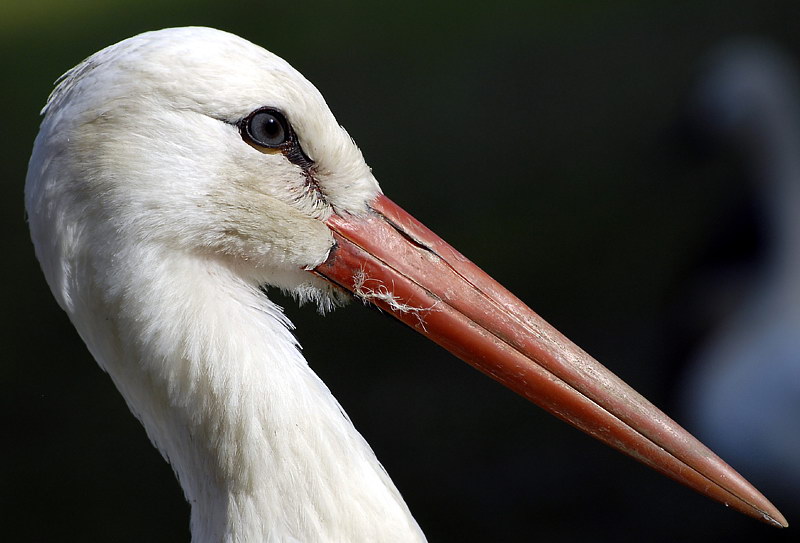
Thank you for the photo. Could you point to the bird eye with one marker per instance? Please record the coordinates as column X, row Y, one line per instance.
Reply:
column 267, row 127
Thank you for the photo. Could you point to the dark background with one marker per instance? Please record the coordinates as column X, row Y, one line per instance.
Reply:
column 538, row 138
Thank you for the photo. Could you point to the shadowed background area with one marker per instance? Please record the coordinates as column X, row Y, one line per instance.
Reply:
column 541, row 139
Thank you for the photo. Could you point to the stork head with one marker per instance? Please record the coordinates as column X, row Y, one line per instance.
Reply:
column 196, row 141
column 746, row 97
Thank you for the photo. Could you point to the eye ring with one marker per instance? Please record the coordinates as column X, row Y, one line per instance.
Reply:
column 267, row 127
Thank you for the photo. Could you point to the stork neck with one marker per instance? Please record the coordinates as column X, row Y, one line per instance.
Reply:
column 262, row 449
column 777, row 167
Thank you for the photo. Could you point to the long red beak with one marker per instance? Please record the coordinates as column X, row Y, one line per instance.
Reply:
column 391, row 260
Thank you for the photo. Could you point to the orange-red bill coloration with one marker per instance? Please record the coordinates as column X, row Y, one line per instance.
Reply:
column 391, row 260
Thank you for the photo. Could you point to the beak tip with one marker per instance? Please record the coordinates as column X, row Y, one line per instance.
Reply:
column 762, row 509
column 776, row 519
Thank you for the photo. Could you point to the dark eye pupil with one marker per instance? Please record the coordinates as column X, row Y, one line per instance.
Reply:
column 267, row 129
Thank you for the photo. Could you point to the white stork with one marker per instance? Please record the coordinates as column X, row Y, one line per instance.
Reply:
column 742, row 393
column 177, row 172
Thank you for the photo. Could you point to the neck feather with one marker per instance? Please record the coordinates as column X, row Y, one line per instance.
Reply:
column 262, row 449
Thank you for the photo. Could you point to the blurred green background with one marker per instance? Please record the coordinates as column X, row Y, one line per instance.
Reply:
column 536, row 137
